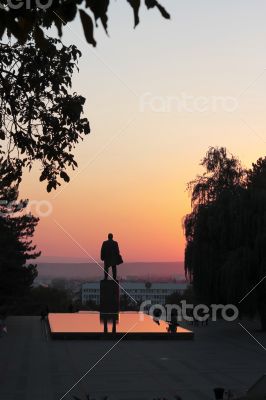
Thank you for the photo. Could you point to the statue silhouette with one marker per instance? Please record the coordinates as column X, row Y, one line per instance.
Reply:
column 110, row 255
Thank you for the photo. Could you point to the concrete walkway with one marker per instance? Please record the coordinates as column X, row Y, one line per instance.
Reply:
column 33, row 367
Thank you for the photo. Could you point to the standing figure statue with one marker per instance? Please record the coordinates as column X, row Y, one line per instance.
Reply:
column 110, row 255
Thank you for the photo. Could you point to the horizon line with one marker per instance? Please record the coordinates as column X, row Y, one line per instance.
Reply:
column 125, row 262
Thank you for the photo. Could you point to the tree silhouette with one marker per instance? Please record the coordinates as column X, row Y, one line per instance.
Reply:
column 256, row 229
column 28, row 17
column 40, row 119
column 16, row 230
column 226, row 233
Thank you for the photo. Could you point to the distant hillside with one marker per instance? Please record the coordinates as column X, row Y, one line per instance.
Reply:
column 91, row 270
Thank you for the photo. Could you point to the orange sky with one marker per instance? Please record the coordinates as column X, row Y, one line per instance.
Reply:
column 143, row 149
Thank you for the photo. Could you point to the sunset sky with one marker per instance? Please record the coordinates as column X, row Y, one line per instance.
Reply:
column 143, row 149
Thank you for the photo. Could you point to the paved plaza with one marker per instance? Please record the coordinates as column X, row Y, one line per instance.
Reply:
column 34, row 367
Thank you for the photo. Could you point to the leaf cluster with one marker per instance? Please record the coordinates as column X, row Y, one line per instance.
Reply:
column 34, row 16
column 40, row 119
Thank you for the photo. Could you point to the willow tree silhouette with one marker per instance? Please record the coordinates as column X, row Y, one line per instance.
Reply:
column 225, row 254
column 16, row 229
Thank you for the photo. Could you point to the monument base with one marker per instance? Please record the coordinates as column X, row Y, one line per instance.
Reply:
column 109, row 296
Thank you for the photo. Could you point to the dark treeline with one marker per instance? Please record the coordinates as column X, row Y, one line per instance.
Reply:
column 225, row 256
column 16, row 231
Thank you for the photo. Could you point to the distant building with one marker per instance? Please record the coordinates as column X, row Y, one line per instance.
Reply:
column 156, row 292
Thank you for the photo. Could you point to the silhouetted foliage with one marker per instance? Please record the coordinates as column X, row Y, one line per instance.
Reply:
column 90, row 305
column 176, row 297
column 16, row 230
column 57, row 300
column 40, row 298
column 39, row 118
column 225, row 255
column 128, row 304
column 33, row 16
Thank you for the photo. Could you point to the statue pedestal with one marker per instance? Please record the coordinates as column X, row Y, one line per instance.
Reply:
column 109, row 296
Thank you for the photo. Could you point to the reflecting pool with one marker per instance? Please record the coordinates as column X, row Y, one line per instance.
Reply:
column 129, row 325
